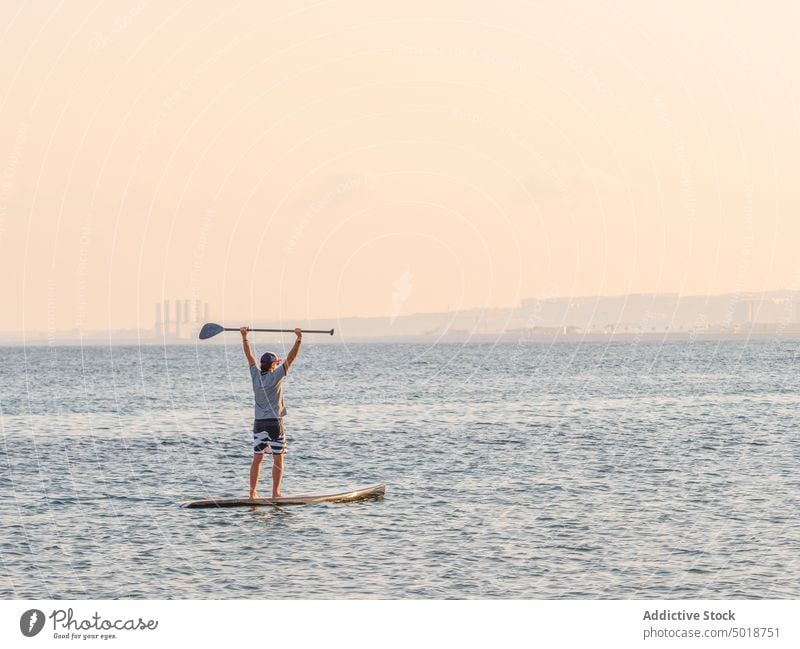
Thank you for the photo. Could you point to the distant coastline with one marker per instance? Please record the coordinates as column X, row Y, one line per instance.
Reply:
column 624, row 318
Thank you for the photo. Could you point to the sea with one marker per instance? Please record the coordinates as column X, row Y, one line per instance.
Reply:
column 571, row 470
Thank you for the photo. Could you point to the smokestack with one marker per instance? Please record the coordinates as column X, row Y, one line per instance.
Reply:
column 166, row 318
column 186, row 311
column 177, row 318
column 157, row 323
column 198, row 311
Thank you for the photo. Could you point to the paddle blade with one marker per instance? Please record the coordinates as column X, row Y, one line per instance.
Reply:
column 210, row 329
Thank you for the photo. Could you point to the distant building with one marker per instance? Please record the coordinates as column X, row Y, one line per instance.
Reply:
column 186, row 322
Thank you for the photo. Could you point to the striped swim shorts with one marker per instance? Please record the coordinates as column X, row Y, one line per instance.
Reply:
column 269, row 437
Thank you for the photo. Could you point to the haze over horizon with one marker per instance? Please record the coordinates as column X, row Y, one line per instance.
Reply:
column 353, row 158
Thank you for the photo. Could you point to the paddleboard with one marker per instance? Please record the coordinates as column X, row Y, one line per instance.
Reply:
column 365, row 493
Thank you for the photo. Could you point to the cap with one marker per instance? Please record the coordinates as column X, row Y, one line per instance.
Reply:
column 268, row 358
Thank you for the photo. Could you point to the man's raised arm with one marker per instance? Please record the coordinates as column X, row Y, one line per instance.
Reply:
column 295, row 350
column 248, row 350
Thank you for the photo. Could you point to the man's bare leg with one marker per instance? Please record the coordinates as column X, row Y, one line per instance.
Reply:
column 277, row 475
column 255, row 471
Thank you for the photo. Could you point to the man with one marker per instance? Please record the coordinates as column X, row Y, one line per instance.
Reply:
column 268, row 433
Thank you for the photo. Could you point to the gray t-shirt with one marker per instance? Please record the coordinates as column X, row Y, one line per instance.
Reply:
column 268, row 390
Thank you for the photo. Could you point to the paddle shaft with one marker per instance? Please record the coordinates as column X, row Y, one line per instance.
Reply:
column 287, row 331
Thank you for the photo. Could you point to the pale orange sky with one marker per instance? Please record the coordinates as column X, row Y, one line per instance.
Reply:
column 327, row 159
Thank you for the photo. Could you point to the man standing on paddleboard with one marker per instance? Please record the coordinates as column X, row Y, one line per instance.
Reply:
column 268, row 434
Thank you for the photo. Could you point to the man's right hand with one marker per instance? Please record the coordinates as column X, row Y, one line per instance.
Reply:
column 248, row 348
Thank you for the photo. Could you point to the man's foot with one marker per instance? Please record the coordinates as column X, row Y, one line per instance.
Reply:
column 277, row 495
column 254, row 496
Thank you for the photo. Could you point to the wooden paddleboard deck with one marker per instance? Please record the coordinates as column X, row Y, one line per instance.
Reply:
column 365, row 493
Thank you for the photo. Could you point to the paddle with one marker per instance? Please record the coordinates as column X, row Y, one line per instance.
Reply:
column 211, row 329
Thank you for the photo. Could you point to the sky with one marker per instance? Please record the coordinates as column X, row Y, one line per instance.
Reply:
column 306, row 160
